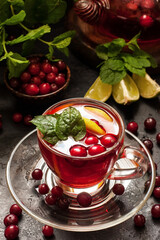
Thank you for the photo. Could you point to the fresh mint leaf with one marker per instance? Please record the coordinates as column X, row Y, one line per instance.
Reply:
column 132, row 44
column 65, row 51
column 138, row 71
column 50, row 54
column 115, row 47
column 27, row 47
column 17, row 4
column 15, row 19
column 132, row 60
column 114, row 64
column 102, row 52
column 4, row 10
column 32, row 35
column 63, row 40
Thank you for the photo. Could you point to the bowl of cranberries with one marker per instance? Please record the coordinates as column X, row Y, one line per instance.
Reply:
column 40, row 80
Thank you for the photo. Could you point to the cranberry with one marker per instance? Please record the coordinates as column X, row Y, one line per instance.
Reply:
column 43, row 188
column 108, row 140
column 47, row 231
column 34, row 59
column 150, row 123
column 44, row 88
column 157, row 183
column 61, row 65
column 42, row 75
column 62, row 75
column 15, row 209
column 148, row 143
column 57, row 191
column 14, row 83
column 10, row 219
column 78, row 150
column 63, row 203
column 50, row 199
column 54, row 69
column 158, row 138
column 0, row 125
column 147, row 185
column 156, row 192
column 96, row 149
column 155, row 211
column 25, row 77
column 37, row 174
column 50, row 77
column 132, row 127
column 11, row 232
column 54, row 87
column 32, row 89
column 139, row 220
column 17, row 117
column 146, row 20
column 132, row 6
column 118, row 189
column 36, row 80
column 23, row 87
column 84, row 199
column 60, row 81
column 34, row 68
column 91, row 140
column 46, row 67
column 27, row 120
column 147, row 4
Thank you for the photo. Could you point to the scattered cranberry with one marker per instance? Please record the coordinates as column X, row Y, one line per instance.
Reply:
column 54, row 69
column 63, row 203
column 157, row 183
column 57, row 191
column 27, row 120
column 14, row 83
column 36, row 80
column 91, row 140
column 158, row 138
column 47, row 231
column 84, row 199
column 60, row 81
column 96, row 149
column 61, row 65
column 25, row 77
column 139, row 220
column 10, row 219
column 156, row 192
column 108, row 140
column 15, row 209
column 147, row 4
column 37, row 174
column 34, row 68
column 46, row 67
column 50, row 199
column 32, row 89
column 54, row 87
column 50, row 77
column 155, row 211
column 43, row 188
column 146, row 20
column 148, row 143
column 118, row 189
column 132, row 127
column 150, row 123
column 147, row 185
column 44, row 88
column 17, row 117
column 11, row 232
column 78, row 150
column 42, row 75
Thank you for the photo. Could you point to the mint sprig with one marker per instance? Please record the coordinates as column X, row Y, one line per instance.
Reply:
column 118, row 62
column 55, row 127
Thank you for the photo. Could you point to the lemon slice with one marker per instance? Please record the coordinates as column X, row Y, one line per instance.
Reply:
column 93, row 127
column 148, row 88
column 99, row 112
column 99, row 91
column 125, row 91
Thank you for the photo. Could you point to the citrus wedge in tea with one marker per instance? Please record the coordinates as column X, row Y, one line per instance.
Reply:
column 148, row 87
column 125, row 91
column 99, row 91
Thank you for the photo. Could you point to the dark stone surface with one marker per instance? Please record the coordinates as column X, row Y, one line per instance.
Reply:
column 82, row 77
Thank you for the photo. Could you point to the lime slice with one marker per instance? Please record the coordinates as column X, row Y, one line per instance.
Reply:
column 125, row 91
column 148, row 88
column 99, row 91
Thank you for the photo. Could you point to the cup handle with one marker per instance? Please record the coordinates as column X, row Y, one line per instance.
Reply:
column 132, row 163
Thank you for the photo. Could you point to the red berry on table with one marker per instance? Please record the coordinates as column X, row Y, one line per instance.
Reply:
column 34, row 68
column 46, row 67
column 27, row 120
column 91, row 140
column 47, row 231
column 148, row 143
column 155, row 211
column 156, row 192
column 50, row 199
column 17, row 117
column 54, row 87
column 118, row 189
column 78, row 150
column 132, row 127
column 32, row 89
column 108, row 140
column 61, row 65
column 36, row 80
column 54, row 69
column 57, row 191
column 50, row 77
column 150, row 123
column 139, row 220
column 11, row 232
column 84, row 199
column 96, row 149
column 158, row 138
column 147, row 185
column 42, row 75
column 15, row 209
column 14, row 83
column 25, row 77
column 37, row 174
column 157, row 183
column 60, row 80
column 146, row 20
column 10, row 219
column 44, row 88
column 43, row 188
column 63, row 203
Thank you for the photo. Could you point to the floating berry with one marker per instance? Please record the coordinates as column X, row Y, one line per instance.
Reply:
column 32, row 89
column 25, row 77
column 148, row 143
column 84, row 199
column 57, row 191
column 47, row 231
column 147, row 4
column 78, row 150
column 156, row 192
column 17, row 117
column 139, row 220
column 108, row 140
column 37, row 174
column 27, row 120
column 132, row 6
column 34, row 68
column 15, row 209
column 118, row 189
column 150, row 123
column 43, row 188
column 96, row 149
column 11, row 232
column 44, row 88
column 50, row 199
column 63, row 203
column 91, row 140
column 146, row 20
column 132, row 127
column 10, row 219
column 155, row 211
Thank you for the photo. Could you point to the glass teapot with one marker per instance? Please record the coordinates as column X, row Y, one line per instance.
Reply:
column 100, row 21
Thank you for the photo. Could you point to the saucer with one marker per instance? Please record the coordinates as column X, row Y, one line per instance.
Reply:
column 111, row 211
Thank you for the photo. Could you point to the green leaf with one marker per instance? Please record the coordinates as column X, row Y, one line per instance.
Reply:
column 132, row 44
column 138, row 71
column 65, row 51
column 114, row 64
column 115, row 47
column 50, row 54
column 27, row 47
column 32, row 35
column 70, row 123
column 102, row 52
column 16, row 64
column 17, row 4
column 63, row 40
column 15, row 19
column 5, row 11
